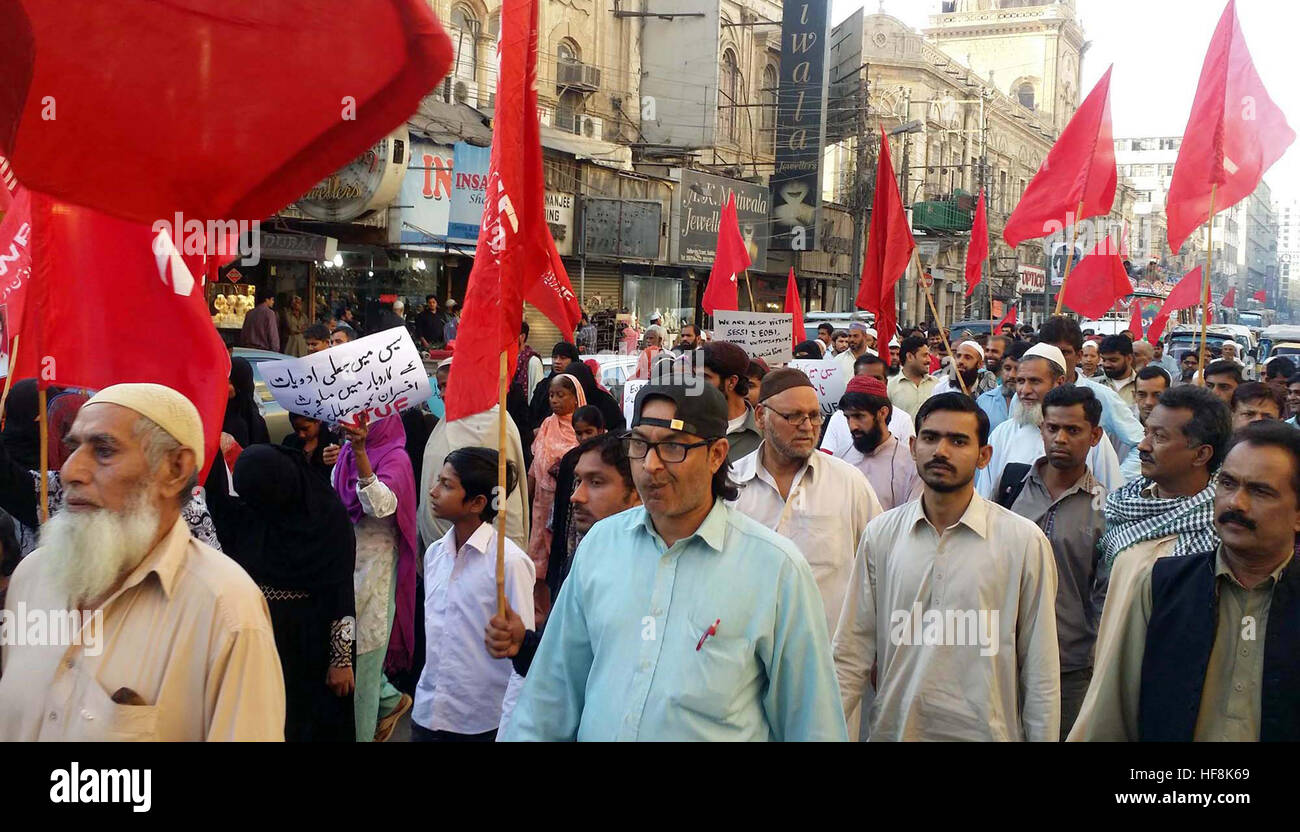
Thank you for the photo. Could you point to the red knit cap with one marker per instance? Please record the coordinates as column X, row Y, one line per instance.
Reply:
column 870, row 385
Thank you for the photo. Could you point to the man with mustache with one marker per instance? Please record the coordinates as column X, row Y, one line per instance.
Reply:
column 1117, row 367
column 682, row 619
column 874, row 449
column 997, row 347
column 1222, row 379
column 179, row 645
column 1020, row 440
column 970, row 364
column 1255, row 401
column 951, row 555
column 1205, row 647
column 910, row 388
column 838, row 438
column 1151, row 381
column 1292, row 398
column 1061, row 496
column 861, row 339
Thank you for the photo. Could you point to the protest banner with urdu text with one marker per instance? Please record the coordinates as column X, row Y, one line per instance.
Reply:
column 764, row 335
column 828, row 378
column 380, row 374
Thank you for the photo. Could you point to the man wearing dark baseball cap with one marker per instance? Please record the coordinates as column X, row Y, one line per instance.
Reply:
column 725, row 367
column 682, row 619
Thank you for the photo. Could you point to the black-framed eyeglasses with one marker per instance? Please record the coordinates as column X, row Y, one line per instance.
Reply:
column 637, row 448
column 797, row 419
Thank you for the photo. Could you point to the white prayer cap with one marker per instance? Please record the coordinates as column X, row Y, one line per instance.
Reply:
column 656, row 329
column 446, row 362
column 973, row 345
column 894, row 342
column 861, row 326
column 1092, row 344
column 1051, row 353
column 170, row 410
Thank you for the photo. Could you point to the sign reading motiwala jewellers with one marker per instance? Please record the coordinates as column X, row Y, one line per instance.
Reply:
column 700, row 198
column 800, row 125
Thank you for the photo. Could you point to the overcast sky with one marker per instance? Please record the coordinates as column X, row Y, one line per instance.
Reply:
column 1157, row 47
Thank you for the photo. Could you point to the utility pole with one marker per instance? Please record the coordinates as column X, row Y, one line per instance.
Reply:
column 860, row 190
column 907, row 202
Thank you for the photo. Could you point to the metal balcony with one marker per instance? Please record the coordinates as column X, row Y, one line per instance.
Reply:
column 577, row 76
column 944, row 214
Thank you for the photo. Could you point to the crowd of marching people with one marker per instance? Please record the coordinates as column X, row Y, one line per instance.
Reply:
column 1033, row 535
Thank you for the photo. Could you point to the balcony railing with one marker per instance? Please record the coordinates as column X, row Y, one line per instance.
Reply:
column 944, row 214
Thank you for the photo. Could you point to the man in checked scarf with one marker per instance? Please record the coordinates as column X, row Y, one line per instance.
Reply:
column 1169, row 510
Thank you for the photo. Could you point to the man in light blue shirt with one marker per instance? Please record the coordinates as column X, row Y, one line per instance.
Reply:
column 682, row 619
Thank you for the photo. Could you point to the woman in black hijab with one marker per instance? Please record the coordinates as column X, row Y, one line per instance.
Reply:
column 243, row 421
column 597, row 397
column 22, row 431
column 563, row 356
column 289, row 531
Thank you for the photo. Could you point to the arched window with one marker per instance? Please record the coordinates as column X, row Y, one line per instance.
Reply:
column 768, row 95
column 568, row 112
column 1025, row 95
column 566, row 52
column 728, row 96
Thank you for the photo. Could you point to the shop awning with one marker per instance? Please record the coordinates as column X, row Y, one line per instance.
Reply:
column 598, row 152
column 450, row 123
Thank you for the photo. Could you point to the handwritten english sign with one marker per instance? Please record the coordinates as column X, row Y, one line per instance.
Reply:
column 765, row 335
column 827, row 376
column 380, row 375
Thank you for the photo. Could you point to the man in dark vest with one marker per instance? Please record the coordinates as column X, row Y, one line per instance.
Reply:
column 1208, row 646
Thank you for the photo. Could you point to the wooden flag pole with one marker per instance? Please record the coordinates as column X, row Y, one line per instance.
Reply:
column 750, row 288
column 1069, row 259
column 9, row 377
column 935, row 312
column 45, row 456
column 500, row 497
column 1205, row 286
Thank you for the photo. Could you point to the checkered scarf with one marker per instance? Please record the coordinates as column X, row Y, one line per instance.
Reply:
column 1132, row 518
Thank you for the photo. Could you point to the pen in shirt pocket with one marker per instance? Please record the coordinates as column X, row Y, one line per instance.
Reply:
column 712, row 631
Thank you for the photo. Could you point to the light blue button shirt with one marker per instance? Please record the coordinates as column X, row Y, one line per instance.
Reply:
column 622, row 657
column 1121, row 425
column 995, row 405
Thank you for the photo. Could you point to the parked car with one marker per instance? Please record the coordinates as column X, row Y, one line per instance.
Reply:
column 614, row 370
column 1279, row 339
column 974, row 327
column 277, row 418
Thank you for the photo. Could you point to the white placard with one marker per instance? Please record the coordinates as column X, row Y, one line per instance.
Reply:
column 630, row 388
column 765, row 335
column 381, row 374
column 828, row 377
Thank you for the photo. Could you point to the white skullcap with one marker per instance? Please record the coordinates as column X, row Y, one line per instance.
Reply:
column 656, row 329
column 170, row 410
column 1051, row 353
column 446, row 362
column 1092, row 344
column 973, row 345
column 861, row 326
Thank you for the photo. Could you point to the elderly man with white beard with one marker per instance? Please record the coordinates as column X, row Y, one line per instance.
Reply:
column 176, row 641
column 1019, row 438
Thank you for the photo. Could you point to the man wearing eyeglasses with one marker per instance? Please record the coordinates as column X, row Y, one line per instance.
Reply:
column 682, row 619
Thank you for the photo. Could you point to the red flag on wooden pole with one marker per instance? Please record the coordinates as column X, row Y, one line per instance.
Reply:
column 889, row 250
column 1009, row 318
column 730, row 259
column 1185, row 295
column 793, row 305
column 1078, row 178
column 977, row 251
column 1097, row 282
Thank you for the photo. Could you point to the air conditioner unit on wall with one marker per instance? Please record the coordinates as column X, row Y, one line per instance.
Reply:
column 592, row 127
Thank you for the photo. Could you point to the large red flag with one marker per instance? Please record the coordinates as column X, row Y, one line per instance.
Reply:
column 276, row 95
column 90, row 270
column 1097, row 282
column 1234, row 133
column 793, row 305
column 977, row 251
column 1185, row 295
column 1009, row 318
column 1230, row 299
column 889, row 250
column 1261, row 296
column 730, row 258
column 515, row 259
column 15, row 261
column 1079, row 171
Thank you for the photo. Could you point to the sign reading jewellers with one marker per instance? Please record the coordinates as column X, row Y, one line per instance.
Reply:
column 369, row 182
column 800, row 124
column 700, row 198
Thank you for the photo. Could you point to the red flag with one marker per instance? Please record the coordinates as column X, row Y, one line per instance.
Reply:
column 1185, row 295
column 977, row 251
column 257, row 134
column 1230, row 299
column 1261, row 296
column 1097, row 282
column 1079, row 169
column 889, row 250
column 1009, row 318
column 793, row 305
column 730, row 258
column 15, row 261
column 1135, row 320
column 90, row 269
column 1234, row 133
column 515, row 259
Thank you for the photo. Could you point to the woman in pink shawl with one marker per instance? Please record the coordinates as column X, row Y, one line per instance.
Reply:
column 374, row 479
column 554, row 438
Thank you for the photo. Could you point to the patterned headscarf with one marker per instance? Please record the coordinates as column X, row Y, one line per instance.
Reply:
column 1132, row 518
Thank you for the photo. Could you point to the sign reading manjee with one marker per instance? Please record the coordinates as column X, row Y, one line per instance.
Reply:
column 380, row 375
column 828, row 379
column 765, row 335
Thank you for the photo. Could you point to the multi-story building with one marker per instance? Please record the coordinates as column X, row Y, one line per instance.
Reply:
column 1288, row 251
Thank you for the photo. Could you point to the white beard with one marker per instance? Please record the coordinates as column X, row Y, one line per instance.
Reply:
column 1023, row 414
column 91, row 552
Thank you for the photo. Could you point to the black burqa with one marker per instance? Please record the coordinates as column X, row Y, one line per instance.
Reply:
column 289, row 531
column 243, row 421
column 22, row 430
